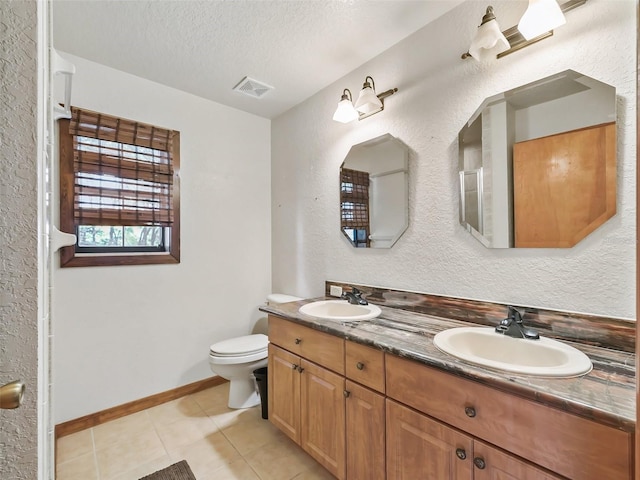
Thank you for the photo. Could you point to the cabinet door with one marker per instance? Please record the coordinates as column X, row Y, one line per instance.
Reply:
column 493, row 464
column 419, row 447
column 365, row 433
column 284, row 391
column 323, row 417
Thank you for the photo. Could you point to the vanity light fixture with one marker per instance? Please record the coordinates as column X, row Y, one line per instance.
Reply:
column 367, row 100
column 489, row 40
column 368, row 103
column 537, row 23
column 345, row 112
column 541, row 16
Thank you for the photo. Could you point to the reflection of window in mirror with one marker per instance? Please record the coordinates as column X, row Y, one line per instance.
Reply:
column 374, row 197
column 354, row 206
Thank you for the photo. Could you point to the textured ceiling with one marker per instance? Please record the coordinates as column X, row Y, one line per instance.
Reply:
column 207, row 47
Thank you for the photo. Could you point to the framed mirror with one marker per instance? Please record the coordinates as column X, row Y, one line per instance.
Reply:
column 537, row 164
column 374, row 192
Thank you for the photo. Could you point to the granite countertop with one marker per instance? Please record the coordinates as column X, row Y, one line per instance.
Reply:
column 606, row 394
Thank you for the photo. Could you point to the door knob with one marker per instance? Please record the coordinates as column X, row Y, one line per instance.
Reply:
column 11, row 394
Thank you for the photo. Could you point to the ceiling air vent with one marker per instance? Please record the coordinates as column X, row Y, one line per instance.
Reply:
column 252, row 88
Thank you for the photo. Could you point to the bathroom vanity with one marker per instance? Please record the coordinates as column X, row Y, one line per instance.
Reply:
column 376, row 400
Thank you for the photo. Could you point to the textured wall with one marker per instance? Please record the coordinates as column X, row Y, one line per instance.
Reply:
column 437, row 94
column 18, row 234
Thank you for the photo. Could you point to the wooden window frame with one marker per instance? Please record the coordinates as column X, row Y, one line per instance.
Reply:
column 68, row 255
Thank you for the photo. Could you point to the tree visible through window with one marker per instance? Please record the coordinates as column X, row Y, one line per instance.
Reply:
column 119, row 190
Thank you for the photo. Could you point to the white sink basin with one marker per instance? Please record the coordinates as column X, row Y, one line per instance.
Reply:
column 543, row 357
column 340, row 310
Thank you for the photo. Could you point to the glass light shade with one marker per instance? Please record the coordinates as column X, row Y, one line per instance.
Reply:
column 488, row 42
column 368, row 101
column 541, row 16
column 345, row 112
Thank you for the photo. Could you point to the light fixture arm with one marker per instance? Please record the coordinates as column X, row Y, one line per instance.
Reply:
column 367, row 84
column 515, row 38
column 345, row 96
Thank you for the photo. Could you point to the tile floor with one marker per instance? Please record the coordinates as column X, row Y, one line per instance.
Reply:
column 217, row 442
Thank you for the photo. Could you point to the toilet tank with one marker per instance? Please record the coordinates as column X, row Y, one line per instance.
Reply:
column 276, row 298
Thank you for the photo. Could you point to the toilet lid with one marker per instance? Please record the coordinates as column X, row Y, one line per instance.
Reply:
column 241, row 345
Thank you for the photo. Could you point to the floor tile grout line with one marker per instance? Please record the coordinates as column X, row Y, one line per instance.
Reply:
column 95, row 454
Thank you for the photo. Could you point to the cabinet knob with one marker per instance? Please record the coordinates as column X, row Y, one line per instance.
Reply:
column 461, row 454
column 479, row 463
column 346, row 393
column 300, row 369
column 470, row 412
column 360, row 366
column 294, row 366
column 298, row 341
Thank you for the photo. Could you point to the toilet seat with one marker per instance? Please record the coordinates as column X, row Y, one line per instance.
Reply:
column 240, row 349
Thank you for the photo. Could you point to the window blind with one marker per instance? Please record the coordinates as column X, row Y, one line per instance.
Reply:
column 123, row 171
column 354, row 199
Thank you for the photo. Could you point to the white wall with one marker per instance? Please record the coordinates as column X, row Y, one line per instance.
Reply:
column 123, row 333
column 437, row 93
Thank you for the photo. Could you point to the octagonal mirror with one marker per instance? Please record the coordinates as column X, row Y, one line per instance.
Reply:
column 374, row 192
column 537, row 164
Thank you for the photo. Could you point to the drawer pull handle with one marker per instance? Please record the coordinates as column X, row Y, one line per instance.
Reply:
column 300, row 369
column 360, row 366
column 346, row 393
column 461, row 453
column 479, row 462
column 470, row 412
column 298, row 341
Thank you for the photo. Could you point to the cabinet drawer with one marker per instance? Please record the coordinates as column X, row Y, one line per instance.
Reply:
column 365, row 365
column 572, row 446
column 319, row 347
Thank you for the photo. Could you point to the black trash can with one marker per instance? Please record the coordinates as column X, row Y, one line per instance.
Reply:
column 261, row 381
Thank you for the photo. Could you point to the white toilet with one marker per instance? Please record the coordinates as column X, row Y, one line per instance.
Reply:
column 236, row 359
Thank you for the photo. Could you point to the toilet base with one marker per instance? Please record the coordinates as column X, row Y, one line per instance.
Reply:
column 242, row 393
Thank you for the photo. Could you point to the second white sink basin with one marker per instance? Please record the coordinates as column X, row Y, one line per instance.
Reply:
column 543, row 357
column 340, row 310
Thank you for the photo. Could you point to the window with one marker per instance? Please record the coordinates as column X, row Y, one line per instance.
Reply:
column 354, row 206
column 119, row 191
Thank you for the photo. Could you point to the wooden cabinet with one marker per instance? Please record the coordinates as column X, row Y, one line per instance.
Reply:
column 306, row 402
column 365, row 420
column 493, row 464
column 396, row 419
column 284, row 400
column 322, row 412
column 568, row 445
column 419, row 447
column 338, row 422
column 365, row 365
column 317, row 347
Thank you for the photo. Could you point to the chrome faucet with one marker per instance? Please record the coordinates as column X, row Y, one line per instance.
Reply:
column 354, row 297
column 513, row 326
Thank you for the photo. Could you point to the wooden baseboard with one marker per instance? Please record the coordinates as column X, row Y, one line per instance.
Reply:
column 91, row 420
